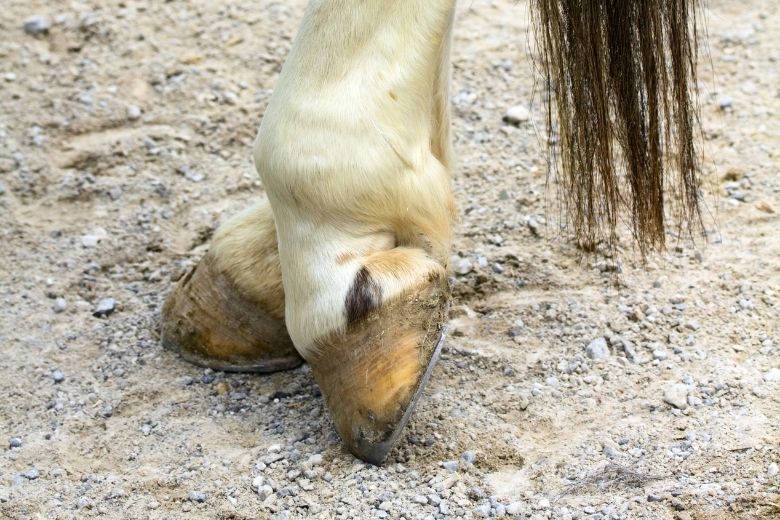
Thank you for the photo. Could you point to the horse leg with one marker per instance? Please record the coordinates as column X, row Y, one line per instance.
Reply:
column 353, row 151
column 227, row 313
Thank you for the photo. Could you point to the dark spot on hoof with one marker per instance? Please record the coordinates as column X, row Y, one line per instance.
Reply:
column 364, row 296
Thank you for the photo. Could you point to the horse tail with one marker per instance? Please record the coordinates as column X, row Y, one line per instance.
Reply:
column 620, row 75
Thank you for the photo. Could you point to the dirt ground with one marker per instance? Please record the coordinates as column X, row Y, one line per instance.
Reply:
column 125, row 138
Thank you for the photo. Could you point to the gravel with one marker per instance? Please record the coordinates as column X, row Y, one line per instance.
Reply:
column 132, row 428
column 597, row 349
column 133, row 112
column 450, row 465
column 197, row 496
column 482, row 511
column 37, row 25
column 32, row 474
column 105, row 307
column 469, row 457
column 264, row 491
column 772, row 376
column 89, row 241
column 314, row 460
column 60, row 304
column 517, row 114
column 462, row 266
column 725, row 101
column 677, row 395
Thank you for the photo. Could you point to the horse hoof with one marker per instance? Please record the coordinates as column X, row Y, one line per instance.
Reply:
column 373, row 374
column 210, row 322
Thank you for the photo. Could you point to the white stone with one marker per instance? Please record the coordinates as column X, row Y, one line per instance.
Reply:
column 461, row 266
column 133, row 112
column 517, row 114
column 314, row 460
column 772, row 376
column 89, row 241
column 597, row 350
column 677, row 395
column 257, row 483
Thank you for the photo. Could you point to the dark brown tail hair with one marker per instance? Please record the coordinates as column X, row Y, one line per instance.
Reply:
column 620, row 74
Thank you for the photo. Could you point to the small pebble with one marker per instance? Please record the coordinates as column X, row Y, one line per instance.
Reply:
column 257, row 483
column 516, row 329
column 133, row 112
column 469, row 457
column 772, row 376
column 105, row 307
column 58, row 376
column 660, row 354
column 749, row 87
column 420, row 499
column 31, row 474
column 36, row 25
column 462, row 266
column 60, row 305
column 89, row 241
column 314, row 460
column 597, row 350
column 677, row 395
column 517, row 114
column 187, row 172
column 532, row 224
column 482, row 511
column 15, row 442
column 197, row 496
column 772, row 469
column 745, row 304
column 725, row 101
column 265, row 491
column 450, row 465
column 514, row 508
column 610, row 452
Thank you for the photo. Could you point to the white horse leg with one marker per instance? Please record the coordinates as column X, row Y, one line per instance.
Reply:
column 354, row 153
column 227, row 313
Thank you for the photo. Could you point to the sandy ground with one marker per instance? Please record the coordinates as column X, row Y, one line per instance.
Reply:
column 125, row 134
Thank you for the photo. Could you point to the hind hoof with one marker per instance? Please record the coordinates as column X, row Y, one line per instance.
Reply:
column 211, row 323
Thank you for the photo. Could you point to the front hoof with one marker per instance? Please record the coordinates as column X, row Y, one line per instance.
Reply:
column 373, row 374
column 210, row 323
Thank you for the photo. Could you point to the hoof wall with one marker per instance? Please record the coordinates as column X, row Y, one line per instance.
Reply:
column 210, row 323
column 373, row 374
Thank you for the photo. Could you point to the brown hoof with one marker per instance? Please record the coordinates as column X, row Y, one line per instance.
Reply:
column 209, row 322
column 373, row 375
